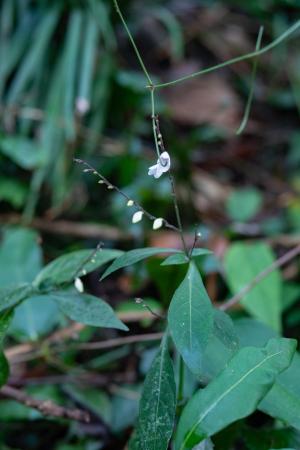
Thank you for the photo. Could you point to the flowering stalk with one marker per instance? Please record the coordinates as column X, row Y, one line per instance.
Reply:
column 130, row 202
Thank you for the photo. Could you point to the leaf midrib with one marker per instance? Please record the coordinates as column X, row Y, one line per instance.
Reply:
column 211, row 407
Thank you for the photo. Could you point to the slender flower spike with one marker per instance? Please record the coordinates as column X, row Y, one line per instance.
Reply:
column 158, row 223
column 163, row 165
column 78, row 285
column 137, row 216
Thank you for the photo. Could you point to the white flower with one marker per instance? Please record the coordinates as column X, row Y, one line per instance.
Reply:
column 130, row 203
column 158, row 223
column 137, row 216
column 163, row 165
column 78, row 285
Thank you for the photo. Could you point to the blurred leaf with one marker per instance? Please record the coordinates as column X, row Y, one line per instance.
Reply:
column 12, row 191
column 174, row 29
column 4, row 369
column 125, row 408
column 22, row 151
column 157, row 404
column 75, row 264
column 243, row 204
column 242, row 262
column 35, row 55
column 134, row 256
column 190, row 319
column 92, row 399
column 248, row 375
column 34, row 318
column 87, row 309
column 20, row 256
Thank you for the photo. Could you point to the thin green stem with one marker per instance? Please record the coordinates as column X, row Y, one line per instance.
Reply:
column 133, row 44
column 153, row 122
column 269, row 47
column 177, row 212
column 251, row 93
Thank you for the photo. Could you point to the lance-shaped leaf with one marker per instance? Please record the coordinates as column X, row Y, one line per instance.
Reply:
column 134, row 256
column 191, row 319
column 157, row 405
column 234, row 393
column 87, row 309
column 11, row 296
column 75, row 264
column 181, row 258
column 283, row 400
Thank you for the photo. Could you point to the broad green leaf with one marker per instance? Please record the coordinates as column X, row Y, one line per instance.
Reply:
column 133, row 256
column 87, row 309
column 242, row 263
column 191, row 319
column 223, row 344
column 34, row 318
column 181, row 258
column 67, row 267
column 243, row 204
column 11, row 296
column 157, row 404
column 20, row 257
column 248, row 376
column 283, row 400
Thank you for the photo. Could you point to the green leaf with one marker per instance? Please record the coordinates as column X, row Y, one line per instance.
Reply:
column 20, row 257
column 65, row 268
column 223, row 344
column 242, row 263
column 11, row 296
column 12, row 191
column 191, row 319
column 283, row 400
column 5, row 319
column 4, row 369
column 34, row 318
column 247, row 376
column 87, row 309
column 181, row 258
column 22, row 151
column 243, row 204
column 133, row 256
column 157, row 405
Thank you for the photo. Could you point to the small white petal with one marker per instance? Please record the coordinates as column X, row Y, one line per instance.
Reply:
column 163, row 165
column 130, row 203
column 137, row 216
column 78, row 285
column 158, row 223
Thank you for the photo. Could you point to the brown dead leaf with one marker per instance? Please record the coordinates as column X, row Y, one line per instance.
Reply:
column 204, row 100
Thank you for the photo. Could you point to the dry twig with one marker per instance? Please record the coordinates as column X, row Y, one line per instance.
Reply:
column 45, row 407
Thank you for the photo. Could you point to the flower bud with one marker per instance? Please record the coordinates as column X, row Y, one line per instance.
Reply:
column 137, row 216
column 78, row 285
column 158, row 223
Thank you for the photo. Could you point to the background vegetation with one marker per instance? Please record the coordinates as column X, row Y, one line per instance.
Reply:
column 70, row 87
